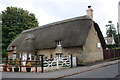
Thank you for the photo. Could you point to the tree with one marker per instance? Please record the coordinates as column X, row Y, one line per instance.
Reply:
column 0, row 36
column 110, row 30
column 14, row 21
column 117, row 39
column 0, row 30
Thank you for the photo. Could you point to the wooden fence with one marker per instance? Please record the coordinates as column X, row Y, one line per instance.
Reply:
column 39, row 65
column 8, row 66
column 111, row 53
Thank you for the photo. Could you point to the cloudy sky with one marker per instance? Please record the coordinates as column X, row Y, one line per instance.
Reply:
column 48, row 11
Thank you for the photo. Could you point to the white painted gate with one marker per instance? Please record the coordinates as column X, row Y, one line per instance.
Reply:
column 58, row 63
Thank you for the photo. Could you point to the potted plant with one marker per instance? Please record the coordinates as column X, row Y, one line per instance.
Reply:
column 5, row 68
column 10, row 63
column 28, row 66
column 16, row 69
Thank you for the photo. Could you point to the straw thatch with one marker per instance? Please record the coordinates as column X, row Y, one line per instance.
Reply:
column 72, row 32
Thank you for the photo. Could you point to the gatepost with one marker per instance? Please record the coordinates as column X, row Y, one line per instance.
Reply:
column 71, row 61
column 42, row 65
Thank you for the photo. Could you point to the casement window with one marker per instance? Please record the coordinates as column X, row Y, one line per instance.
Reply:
column 14, row 56
column 98, row 45
column 58, row 55
column 13, row 48
column 29, row 36
column 58, row 43
column 40, row 57
column 29, row 55
column 24, row 56
column 33, row 56
column 20, row 55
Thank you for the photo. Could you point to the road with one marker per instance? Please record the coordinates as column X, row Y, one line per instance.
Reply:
column 111, row 71
column 95, row 71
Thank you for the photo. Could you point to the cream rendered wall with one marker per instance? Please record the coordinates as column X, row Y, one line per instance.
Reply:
column 75, row 51
column 10, row 55
column 91, row 52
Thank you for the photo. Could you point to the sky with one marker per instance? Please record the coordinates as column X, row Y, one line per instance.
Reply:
column 48, row 11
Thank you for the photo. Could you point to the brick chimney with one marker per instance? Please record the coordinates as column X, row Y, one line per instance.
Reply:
column 90, row 12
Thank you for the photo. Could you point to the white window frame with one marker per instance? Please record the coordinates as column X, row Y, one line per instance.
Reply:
column 14, row 56
column 58, row 43
column 40, row 57
column 13, row 48
column 58, row 56
column 29, row 56
column 98, row 45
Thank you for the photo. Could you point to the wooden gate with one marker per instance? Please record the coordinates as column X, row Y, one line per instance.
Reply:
column 57, row 63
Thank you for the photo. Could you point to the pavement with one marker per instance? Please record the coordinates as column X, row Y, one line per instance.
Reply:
column 58, row 73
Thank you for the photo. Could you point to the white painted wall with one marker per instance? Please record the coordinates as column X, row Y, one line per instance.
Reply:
column 14, row 56
column 74, row 61
column 24, row 57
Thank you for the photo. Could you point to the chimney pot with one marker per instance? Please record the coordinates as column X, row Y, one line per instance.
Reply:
column 89, row 6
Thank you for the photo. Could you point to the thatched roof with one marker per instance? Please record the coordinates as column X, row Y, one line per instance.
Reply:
column 72, row 32
column 100, row 36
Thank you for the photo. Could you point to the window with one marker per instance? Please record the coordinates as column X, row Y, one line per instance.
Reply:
column 95, row 33
column 30, row 36
column 58, row 55
column 24, row 56
column 20, row 55
column 58, row 42
column 13, row 48
column 29, row 56
column 40, row 57
column 14, row 56
column 32, row 57
column 98, row 45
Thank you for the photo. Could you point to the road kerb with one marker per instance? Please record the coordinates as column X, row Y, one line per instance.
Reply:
column 83, row 71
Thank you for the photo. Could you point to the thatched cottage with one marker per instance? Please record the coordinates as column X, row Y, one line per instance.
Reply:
column 79, row 36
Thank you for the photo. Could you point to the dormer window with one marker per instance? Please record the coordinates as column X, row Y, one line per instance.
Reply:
column 58, row 42
column 29, row 36
column 13, row 48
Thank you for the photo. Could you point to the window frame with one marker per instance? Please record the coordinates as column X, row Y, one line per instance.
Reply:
column 58, row 42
